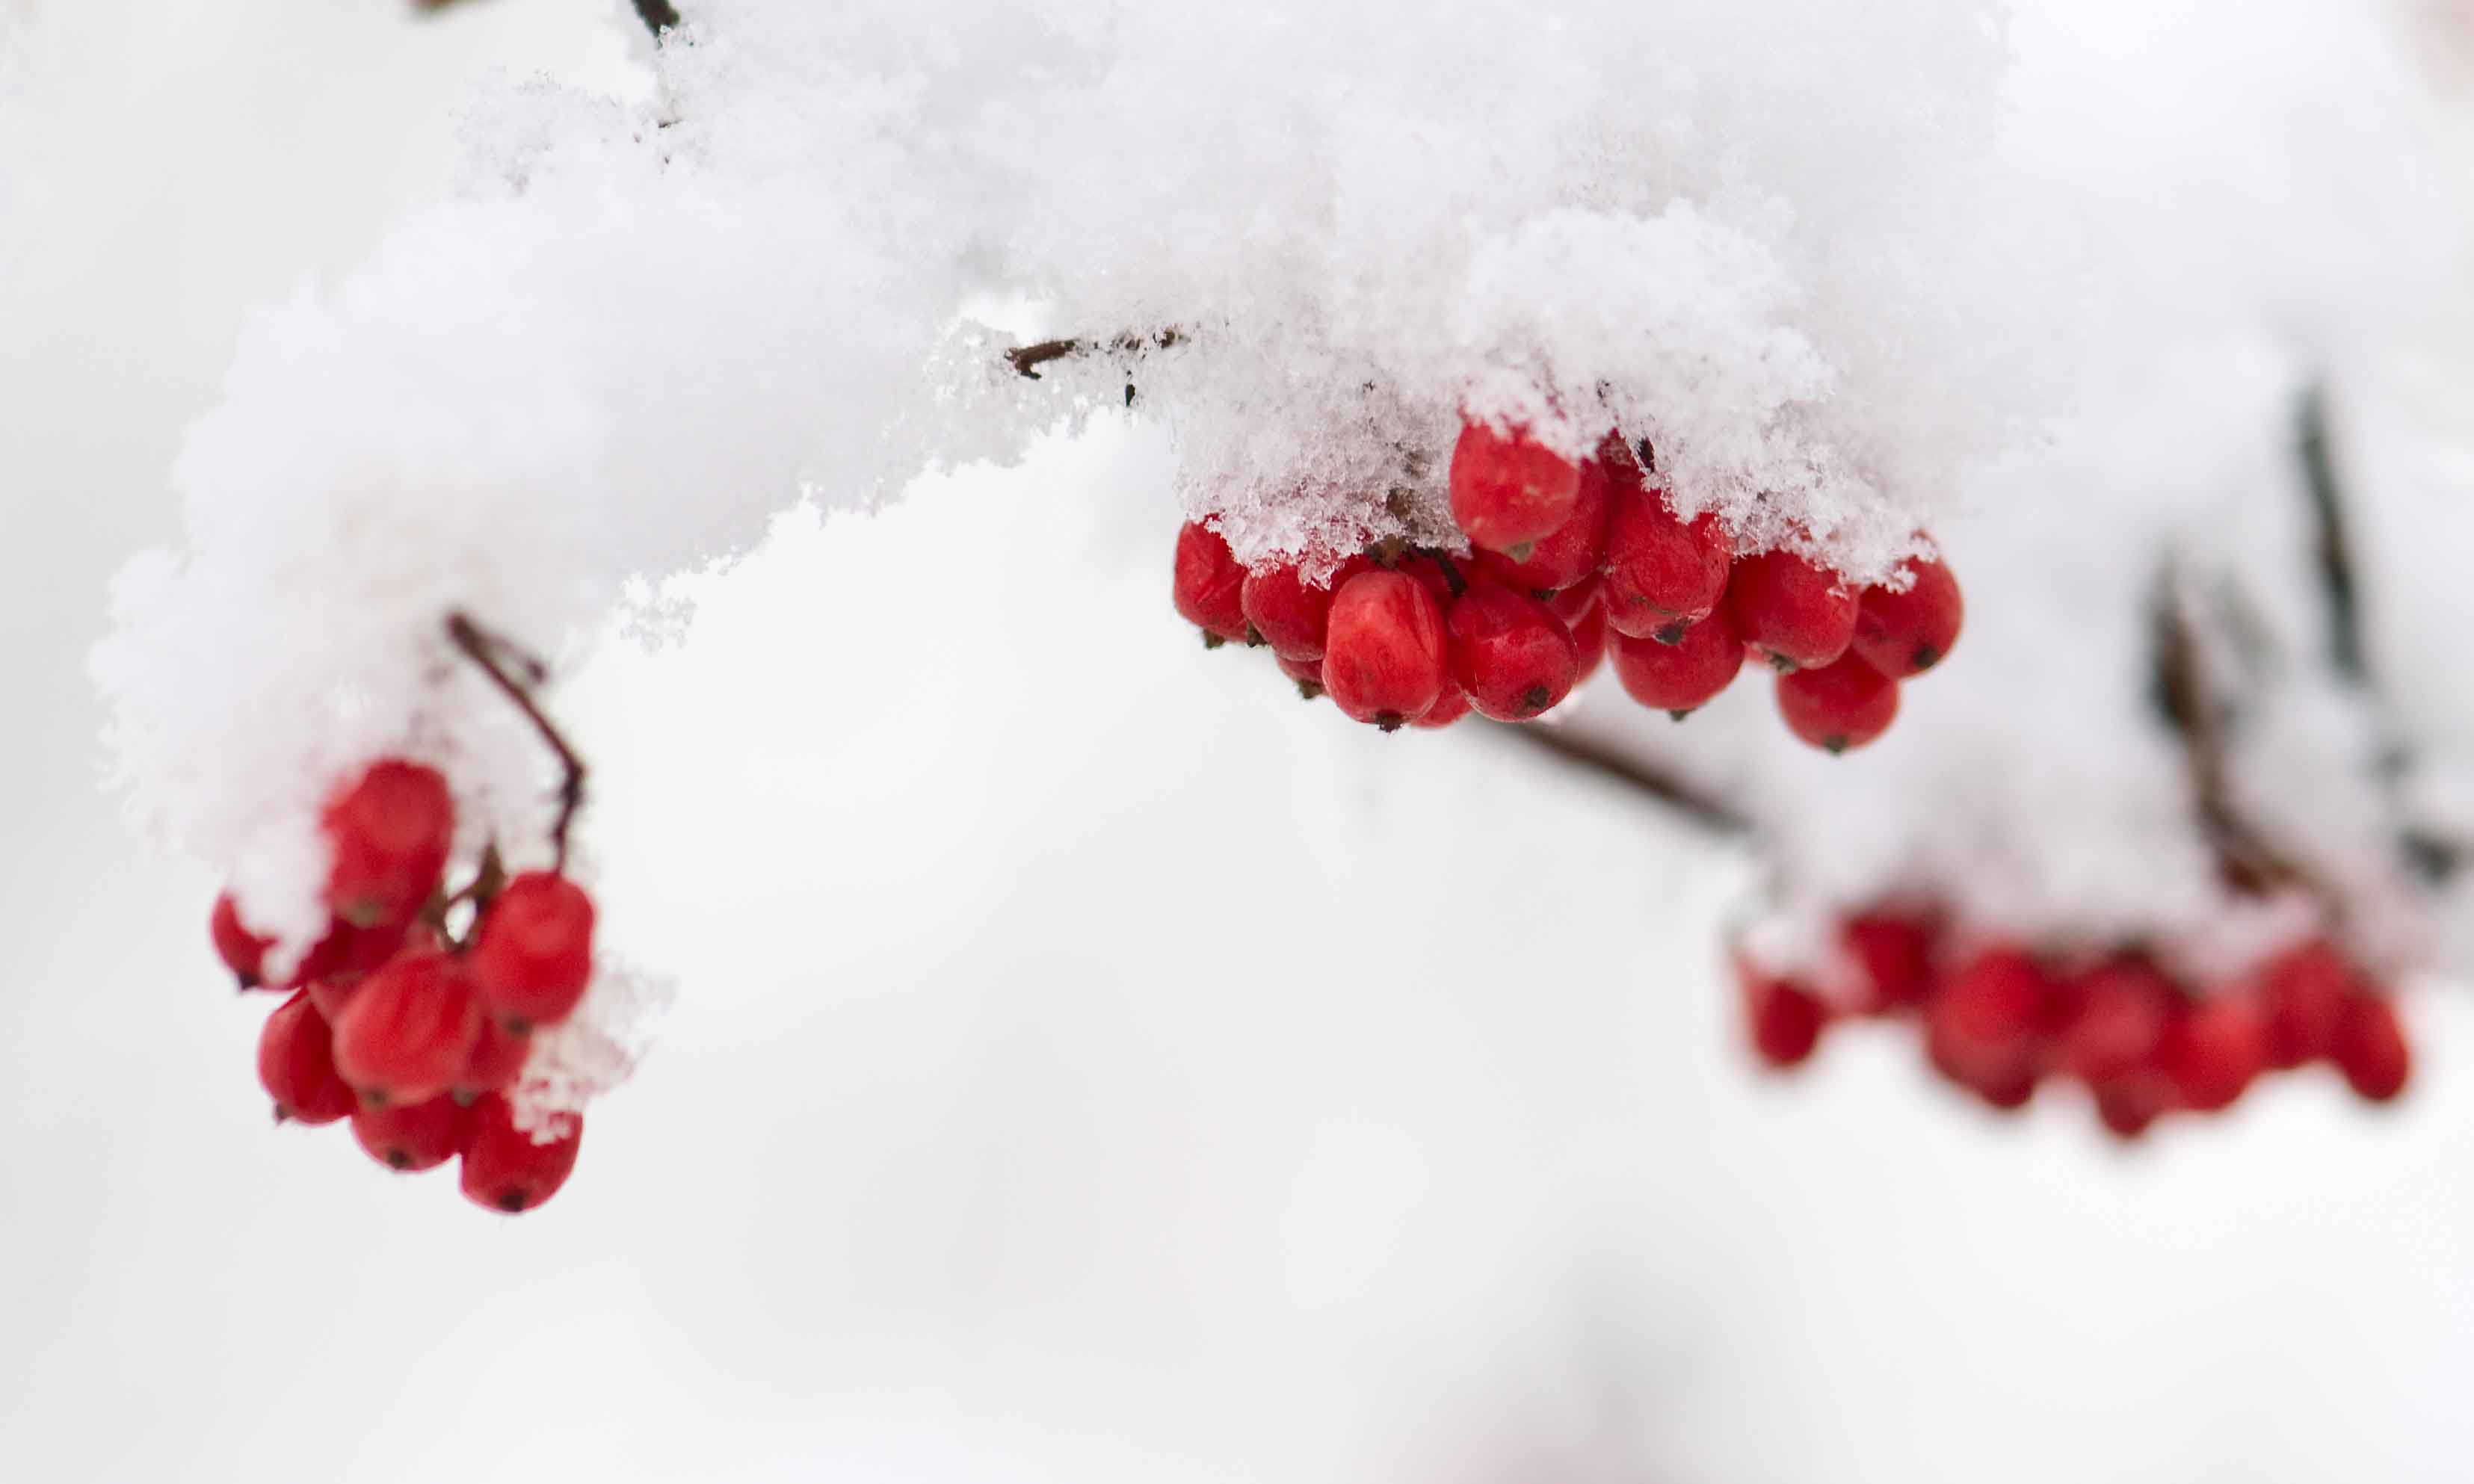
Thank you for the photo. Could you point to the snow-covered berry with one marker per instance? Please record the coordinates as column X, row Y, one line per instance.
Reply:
column 1796, row 614
column 1210, row 585
column 504, row 1169
column 390, row 832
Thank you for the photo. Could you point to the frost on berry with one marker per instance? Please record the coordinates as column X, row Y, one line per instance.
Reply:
column 505, row 1168
column 1905, row 633
column 409, row 1031
column 532, row 951
column 1662, row 573
column 390, row 832
column 1509, row 490
column 1682, row 676
column 1796, row 614
column 1839, row 707
column 1510, row 654
column 411, row 1137
column 296, row 1064
column 1210, row 585
column 1384, row 662
column 242, row 951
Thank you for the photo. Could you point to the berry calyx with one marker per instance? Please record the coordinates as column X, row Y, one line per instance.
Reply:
column 411, row 1137
column 1306, row 673
column 1663, row 574
column 1905, row 633
column 242, row 951
column 390, row 832
column 1839, row 707
column 296, row 1066
column 1798, row 615
column 532, row 951
column 1510, row 654
column 1384, row 659
column 2368, row 1046
column 1509, row 490
column 1210, row 585
column 503, row 1168
column 1682, row 676
column 409, row 1031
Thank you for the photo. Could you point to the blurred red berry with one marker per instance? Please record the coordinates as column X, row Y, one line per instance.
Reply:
column 296, row 1064
column 1509, row 490
column 2215, row 1049
column 503, row 1168
column 1839, row 707
column 1905, row 633
column 411, row 1137
column 1982, row 1027
column 2305, row 989
column 390, row 832
column 496, row 1065
column 1783, row 1018
column 532, row 951
column 1385, row 658
column 2124, row 1005
column 1893, row 952
column 409, row 1030
column 2370, row 1048
column 242, row 951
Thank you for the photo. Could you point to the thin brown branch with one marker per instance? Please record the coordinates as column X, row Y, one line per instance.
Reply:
column 2187, row 694
column 494, row 655
column 1027, row 360
column 1607, row 765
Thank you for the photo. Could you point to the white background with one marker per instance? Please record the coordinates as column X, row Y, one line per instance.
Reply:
column 1088, row 1063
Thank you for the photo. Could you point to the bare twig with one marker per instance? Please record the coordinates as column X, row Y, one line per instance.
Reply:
column 2187, row 697
column 1027, row 360
column 494, row 655
column 2334, row 546
column 1666, row 791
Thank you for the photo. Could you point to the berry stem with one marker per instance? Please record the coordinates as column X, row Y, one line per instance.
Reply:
column 491, row 652
column 2186, row 694
column 1027, row 360
column 1710, row 814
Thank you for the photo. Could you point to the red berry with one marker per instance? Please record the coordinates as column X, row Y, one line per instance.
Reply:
column 1210, row 585
column 2124, row 1006
column 2128, row 1104
column 1307, row 673
column 1575, row 603
column 1383, row 661
column 1682, row 676
column 242, row 951
column 1571, row 552
column 1839, row 707
column 335, row 968
column 532, row 951
column 411, row 1137
column 1904, row 633
column 1509, row 490
column 390, row 833
column 1509, row 653
column 1982, row 1028
column 1795, row 614
column 1662, row 574
column 1289, row 611
column 2306, row 989
column 296, row 1064
column 1783, row 1018
column 1895, row 954
column 409, row 1031
column 2214, row 1051
column 2369, row 1049
column 496, row 1065
column 1588, row 641
column 1448, row 707
column 504, row 1169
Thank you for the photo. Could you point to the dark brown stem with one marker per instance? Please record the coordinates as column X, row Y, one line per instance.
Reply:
column 1027, row 360
column 2187, row 694
column 493, row 654
column 1607, row 765
column 2334, row 546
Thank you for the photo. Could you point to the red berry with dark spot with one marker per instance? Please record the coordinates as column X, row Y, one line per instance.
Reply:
column 1306, row 673
column 496, row 1065
column 504, row 1169
column 1682, row 676
column 1510, row 654
column 390, row 833
column 1894, row 953
column 1663, row 574
column 532, row 952
column 2215, row 1050
column 1838, row 707
column 242, row 951
column 1290, row 611
column 411, row 1137
column 296, row 1064
column 409, row 1030
column 1982, row 1027
column 1210, row 585
column 1570, row 553
column 1798, row 615
column 1783, row 1018
column 2124, row 1005
column 1509, row 490
column 2369, row 1049
column 1383, row 661
column 2306, row 989
column 1904, row 633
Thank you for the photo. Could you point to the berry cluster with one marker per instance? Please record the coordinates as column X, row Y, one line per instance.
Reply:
column 1998, row 1019
column 393, row 1022
column 1572, row 564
